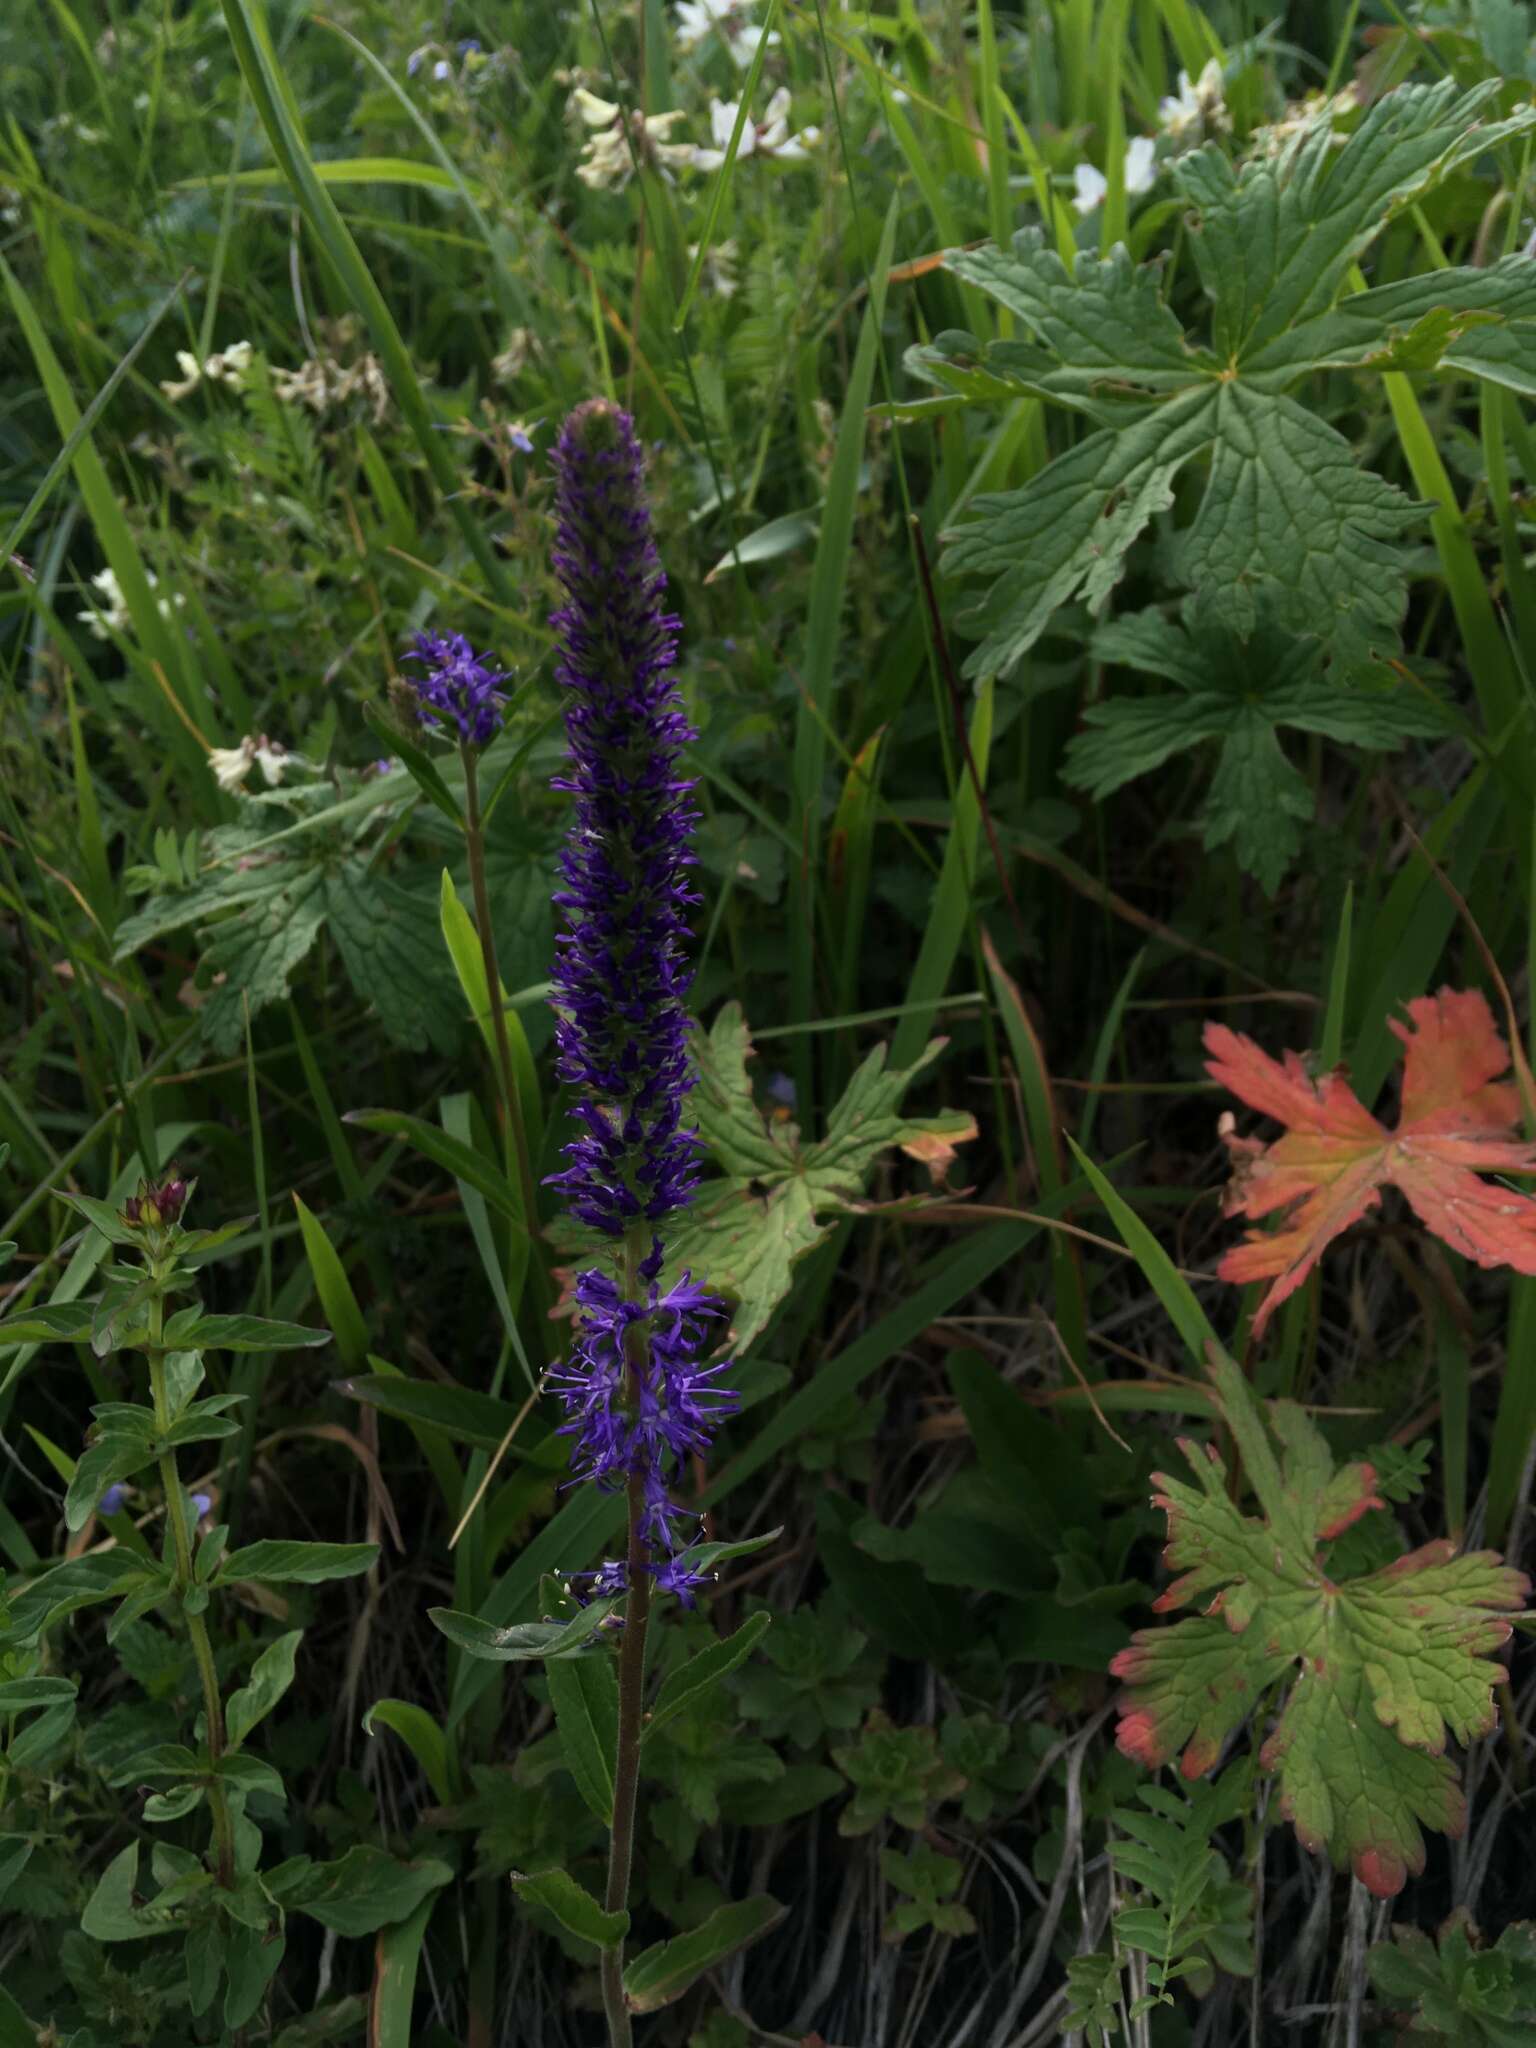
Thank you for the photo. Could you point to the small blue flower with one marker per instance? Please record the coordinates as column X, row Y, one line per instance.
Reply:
column 442, row 70
column 414, row 62
column 112, row 1499
column 202, row 1502
column 470, row 46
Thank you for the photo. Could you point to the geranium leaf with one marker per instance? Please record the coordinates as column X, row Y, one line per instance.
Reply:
column 1286, row 505
column 1380, row 1669
column 1329, row 1167
column 782, row 1193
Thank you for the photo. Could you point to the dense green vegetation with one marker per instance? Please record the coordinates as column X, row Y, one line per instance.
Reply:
column 1092, row 452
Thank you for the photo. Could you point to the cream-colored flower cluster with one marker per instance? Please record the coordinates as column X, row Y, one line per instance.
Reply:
column 612, row 150
column 110, row 615
column 231, row 765
column 321, row 382
column 1316, row 110
column 1195, row 110
column 229, row 366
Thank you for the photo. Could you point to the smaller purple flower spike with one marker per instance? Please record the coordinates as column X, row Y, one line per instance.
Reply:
column 460, row 688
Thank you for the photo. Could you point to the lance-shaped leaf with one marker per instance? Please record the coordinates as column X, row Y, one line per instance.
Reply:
column 660, row 1974
column 1380, row 1669
column 524, row 1641
column 1329, row 1167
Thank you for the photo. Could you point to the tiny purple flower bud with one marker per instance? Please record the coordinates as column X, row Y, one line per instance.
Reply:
column 202, row 1502
column 112, row 1499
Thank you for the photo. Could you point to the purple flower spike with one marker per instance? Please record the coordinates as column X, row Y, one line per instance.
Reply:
column 638, row 1396
column 621, row 974
column 460, row 688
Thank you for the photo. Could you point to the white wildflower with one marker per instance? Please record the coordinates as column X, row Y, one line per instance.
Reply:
column 177, row 388
column 1140, row 164
column 271, row 759
column 1091, row 185
column 608, row 159
column 1195, row 109
column 230, row 366
column 768, row 137
column 1316, row 110
column 1140, row 175
column 231, row 765
column 322, row 382
column 718, row 275
column 697, row 19
column 595, row 112
column 307, row 385
column 508, row 366
column 111, row 614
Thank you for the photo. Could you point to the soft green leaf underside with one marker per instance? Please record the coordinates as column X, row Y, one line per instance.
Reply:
column 779, row 1194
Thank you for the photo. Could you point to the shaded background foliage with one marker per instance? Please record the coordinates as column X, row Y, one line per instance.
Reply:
column 918, row 1760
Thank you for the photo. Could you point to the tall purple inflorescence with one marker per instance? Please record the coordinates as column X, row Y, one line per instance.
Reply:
column 638, row 1396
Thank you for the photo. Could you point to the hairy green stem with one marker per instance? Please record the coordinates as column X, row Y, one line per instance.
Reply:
column 474, row 840
column 197, row 1627
column 637, row 1614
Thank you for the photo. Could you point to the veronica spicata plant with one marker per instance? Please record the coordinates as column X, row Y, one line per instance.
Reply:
column 640, row 1389
column 175, row 1560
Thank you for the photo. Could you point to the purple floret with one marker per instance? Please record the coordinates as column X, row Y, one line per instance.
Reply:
column 459, row 689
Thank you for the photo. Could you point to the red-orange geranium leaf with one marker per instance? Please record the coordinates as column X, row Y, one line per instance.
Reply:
column 1361, row 1680
column 1328, row 1169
